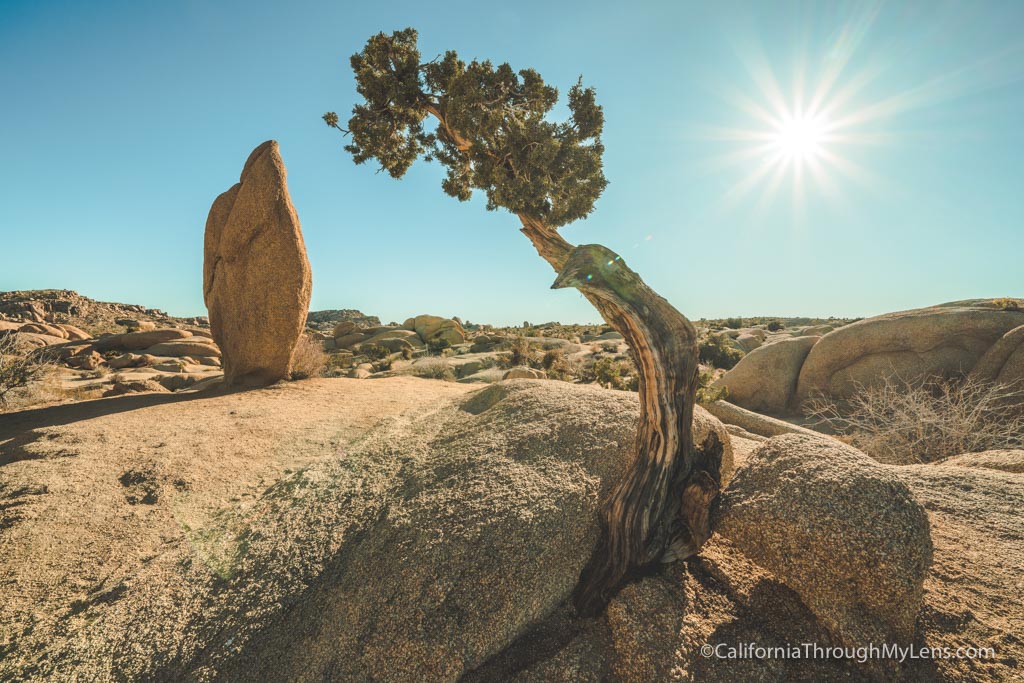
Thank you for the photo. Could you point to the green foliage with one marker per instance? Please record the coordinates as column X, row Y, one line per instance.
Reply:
column 373, row 351
column 436, row 346
column 613, row 374
column 775, row 325
column 558, row 365
column 734, row 323
column 706, row 393
column 607, row 372
column 493, row 132
column 715, row 350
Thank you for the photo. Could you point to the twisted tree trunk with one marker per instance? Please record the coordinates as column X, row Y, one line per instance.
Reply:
column 659, row 510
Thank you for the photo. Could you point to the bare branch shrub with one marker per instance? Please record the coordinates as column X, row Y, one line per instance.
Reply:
column 901, row 422
column 309, row 358
column 21, row 367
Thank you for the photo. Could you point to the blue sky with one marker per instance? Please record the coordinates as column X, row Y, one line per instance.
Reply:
column 124, row 120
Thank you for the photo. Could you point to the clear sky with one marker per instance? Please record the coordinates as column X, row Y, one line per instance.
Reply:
column 764, row 158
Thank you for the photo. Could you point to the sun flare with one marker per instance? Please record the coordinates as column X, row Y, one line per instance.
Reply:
column 801, row 138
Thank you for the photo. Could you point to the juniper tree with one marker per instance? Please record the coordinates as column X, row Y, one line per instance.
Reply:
column 491, row 129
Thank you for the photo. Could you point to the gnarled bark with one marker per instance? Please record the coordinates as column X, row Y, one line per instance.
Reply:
column 660, row 509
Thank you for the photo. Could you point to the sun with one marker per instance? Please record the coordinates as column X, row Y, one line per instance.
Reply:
column 801, row 138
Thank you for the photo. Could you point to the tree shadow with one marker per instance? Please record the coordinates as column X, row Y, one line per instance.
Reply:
column 19, row 429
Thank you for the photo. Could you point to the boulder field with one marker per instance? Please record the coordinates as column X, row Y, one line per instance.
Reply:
column 435, row 531
column 983, row 338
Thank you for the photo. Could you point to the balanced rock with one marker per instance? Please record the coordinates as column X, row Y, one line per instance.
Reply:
column 841, row 530
column 256, row 277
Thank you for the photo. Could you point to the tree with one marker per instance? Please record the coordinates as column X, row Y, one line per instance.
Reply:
column 493, row 132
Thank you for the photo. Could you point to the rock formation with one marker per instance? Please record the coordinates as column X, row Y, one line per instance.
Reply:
column 256, row 277
column 765, row 379
column 825, row 518
column 944, row 340
column 977, row 337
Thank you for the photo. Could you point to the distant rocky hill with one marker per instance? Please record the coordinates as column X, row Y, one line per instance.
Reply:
column 99, row 317
column 330, row 318
column 70, row 307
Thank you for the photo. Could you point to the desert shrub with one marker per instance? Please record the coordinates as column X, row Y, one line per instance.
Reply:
column 383, row 364
column 551, row 357
column 434, row 368
column 437, row 346
column 775, row 325
column 613, row 374
column 521, row 353
column 407, row 352
column 374, row 351
column 610, row 347
column 905, row 422
column 715, row 350
column 607, row 372
column 734, row 323
column 706, row 393
column 1006, row 304
column 20, row 368
column 558, row 366
column 308, row 359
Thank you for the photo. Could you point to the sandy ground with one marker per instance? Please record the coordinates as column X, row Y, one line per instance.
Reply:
column 138, row 472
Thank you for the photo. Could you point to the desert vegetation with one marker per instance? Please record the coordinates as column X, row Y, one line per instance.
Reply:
column 22, row 370
column 494, row 135
column 913, row 421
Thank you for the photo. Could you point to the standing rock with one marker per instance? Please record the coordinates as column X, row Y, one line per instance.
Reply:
column 256, row 277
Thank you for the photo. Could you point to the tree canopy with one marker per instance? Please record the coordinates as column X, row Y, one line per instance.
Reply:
column 495, row 133
column 494, row 130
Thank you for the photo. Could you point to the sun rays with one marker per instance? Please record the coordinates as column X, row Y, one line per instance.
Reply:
column 818, row 129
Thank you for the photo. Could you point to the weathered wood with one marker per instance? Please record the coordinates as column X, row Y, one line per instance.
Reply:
column 659, row 510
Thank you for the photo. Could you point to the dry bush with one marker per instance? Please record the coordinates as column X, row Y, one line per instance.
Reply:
column 901, row 422
column 309, row 358
column 558, row 365
column 521, row 353
column 23, row 370
column 434, row 368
